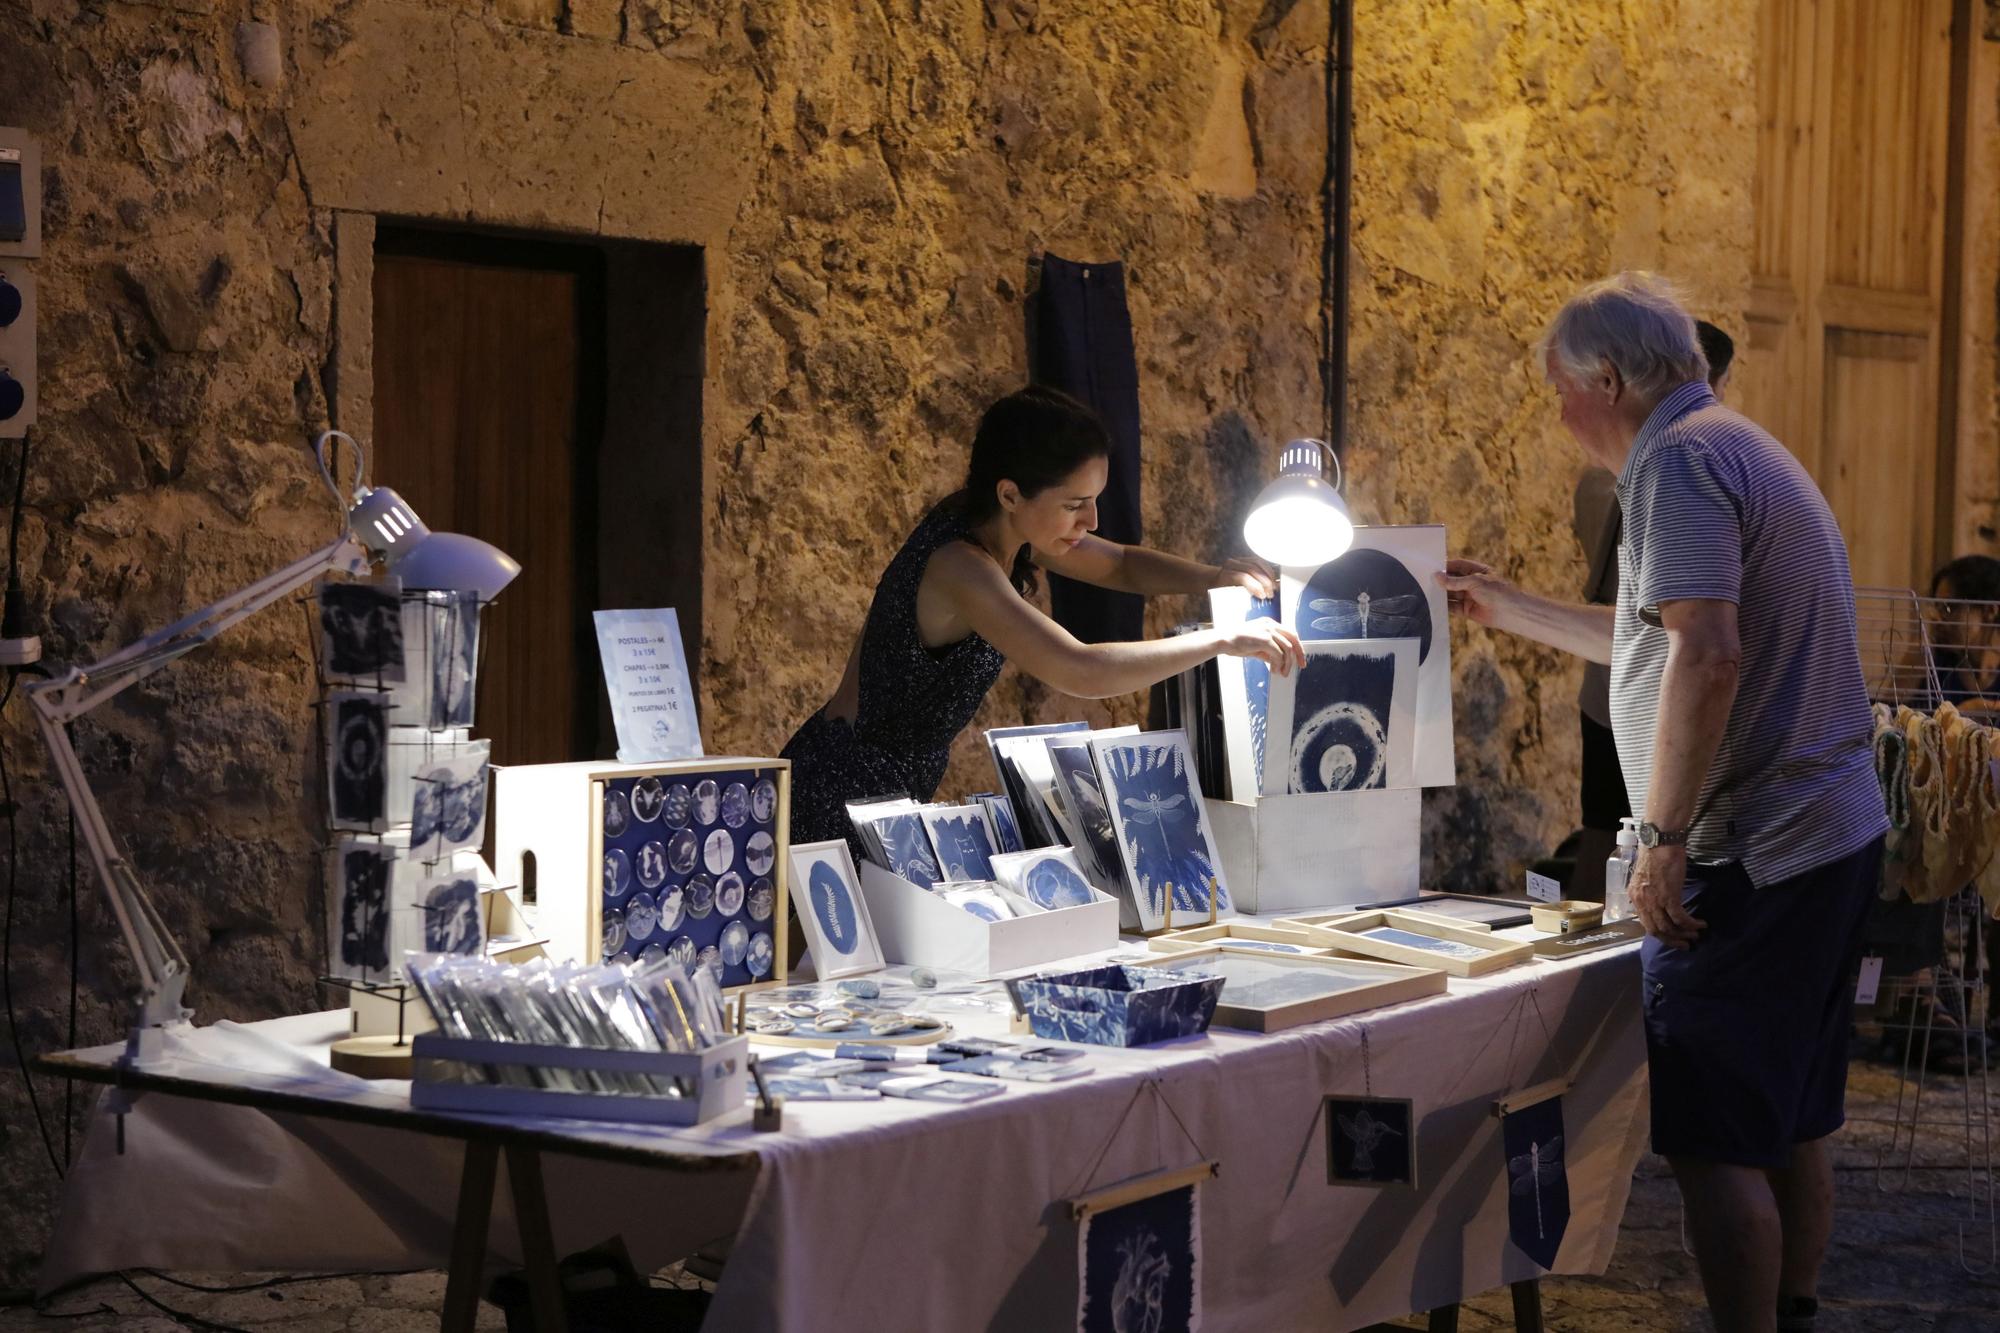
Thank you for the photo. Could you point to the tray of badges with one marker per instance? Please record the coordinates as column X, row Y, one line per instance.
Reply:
column 692, row 858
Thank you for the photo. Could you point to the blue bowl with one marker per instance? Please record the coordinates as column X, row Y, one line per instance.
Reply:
column 1118, row 1006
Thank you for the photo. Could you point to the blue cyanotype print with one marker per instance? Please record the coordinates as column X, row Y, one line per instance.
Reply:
column 1340, row 722
column 1138, row 1265
column 1157, row 812
column 1366, row 595
column 963, row 851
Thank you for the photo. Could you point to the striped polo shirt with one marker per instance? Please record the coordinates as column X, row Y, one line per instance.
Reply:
column 1716, row 508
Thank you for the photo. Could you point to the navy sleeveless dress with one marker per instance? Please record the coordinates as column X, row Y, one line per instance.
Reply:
column 914, row 701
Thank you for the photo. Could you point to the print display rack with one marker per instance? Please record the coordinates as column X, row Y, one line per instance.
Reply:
column 398, row 674
column 452, row 1074
column 916, row 926
column 686, row 858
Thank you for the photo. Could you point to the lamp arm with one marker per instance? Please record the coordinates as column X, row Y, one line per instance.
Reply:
column 163, row 968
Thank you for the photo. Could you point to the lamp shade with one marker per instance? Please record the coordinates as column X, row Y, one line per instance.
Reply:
column 438, row 561
column 1299, row 518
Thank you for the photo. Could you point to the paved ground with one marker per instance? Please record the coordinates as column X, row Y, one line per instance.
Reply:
column 1895, row 1263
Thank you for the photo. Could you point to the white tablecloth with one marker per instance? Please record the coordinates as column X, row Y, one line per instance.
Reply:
column 896, row 1215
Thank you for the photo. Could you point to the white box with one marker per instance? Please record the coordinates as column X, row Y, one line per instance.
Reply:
column 721, row 1073
column 916, row 926
column 1320, row 849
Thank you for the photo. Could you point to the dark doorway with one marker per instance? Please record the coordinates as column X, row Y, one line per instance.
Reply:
column 545, row 396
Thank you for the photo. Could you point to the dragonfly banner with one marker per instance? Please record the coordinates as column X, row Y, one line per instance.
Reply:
column 1531, row 1140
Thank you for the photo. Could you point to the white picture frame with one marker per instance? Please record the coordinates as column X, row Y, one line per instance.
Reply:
column 1160, row 820
column 1351, row 745
column 838, row 929
column 1402, row 562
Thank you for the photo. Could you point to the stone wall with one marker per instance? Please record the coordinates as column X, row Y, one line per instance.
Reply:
column 871, row 184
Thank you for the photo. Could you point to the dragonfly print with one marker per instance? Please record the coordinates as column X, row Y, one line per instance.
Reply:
column 1540, row 1165
column 1159, row 818
column 1367, row 594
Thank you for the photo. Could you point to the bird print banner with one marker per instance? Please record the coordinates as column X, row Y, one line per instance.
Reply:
column 1139, row 1265
column 1385, row 587
column 1531, row 1141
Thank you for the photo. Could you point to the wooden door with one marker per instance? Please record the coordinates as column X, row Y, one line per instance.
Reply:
column 1848, row 320
column 477, row 370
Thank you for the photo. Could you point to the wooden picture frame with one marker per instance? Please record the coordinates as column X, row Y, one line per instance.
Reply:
column 691, row 773
column 1461, row 951
column 1481, row 911
column 1376, row 984
column 1241, row 936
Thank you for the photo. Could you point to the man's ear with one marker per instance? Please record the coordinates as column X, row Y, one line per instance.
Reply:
column 1612, row 383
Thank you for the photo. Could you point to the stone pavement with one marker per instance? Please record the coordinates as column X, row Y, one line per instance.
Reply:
column 1894, row 1266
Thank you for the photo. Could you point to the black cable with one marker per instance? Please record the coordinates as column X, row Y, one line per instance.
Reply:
column 7, row 939
column 178, row 1316
column 69, row 1084
column 285, row 1280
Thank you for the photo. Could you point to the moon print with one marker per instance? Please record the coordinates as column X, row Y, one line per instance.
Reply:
column 683, row 851
column 763, row 898
column 652, row 864
column 707, row 801
column 674, row 806
column 641, row 917
column 682, row 952
column 764, row 801
column 617, row 814
column 729, row 895
column 834, row 906
column 735, row 942
column 673, row 906
column 736, row 805
column 760, row 854
column 1340, row 748
column 617, row 873
column 1051, row 884
column 614, row 934
column 700, row 897
column 758, row 959
column 720, row 851
column 647, row 798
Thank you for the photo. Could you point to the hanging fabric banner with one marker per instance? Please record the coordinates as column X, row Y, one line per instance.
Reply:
column 1531, row 1139
column 1139, row 1263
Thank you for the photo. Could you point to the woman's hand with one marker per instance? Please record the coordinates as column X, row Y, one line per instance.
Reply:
column 1268, row 642
column 1474, row 591
column 1247, row 571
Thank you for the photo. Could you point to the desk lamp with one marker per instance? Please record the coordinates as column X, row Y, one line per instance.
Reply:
column 1299, row 518
column 379, row 527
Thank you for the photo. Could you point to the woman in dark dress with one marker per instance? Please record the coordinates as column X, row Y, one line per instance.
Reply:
column 952, row 607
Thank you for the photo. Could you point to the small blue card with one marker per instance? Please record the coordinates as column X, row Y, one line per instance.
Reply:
column 645, row 672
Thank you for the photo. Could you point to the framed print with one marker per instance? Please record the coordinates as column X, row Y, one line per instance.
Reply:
column 1414, row 940
column 1160, row 823
column 1345, row 721
column 691, row 865
column 1468, row 909
column 833, row 910
column 1239, row 936
column 1385, row 587
column 1269, row 992
column 1371, row 1141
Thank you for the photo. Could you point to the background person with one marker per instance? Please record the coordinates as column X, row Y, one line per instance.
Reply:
column 1743, row 724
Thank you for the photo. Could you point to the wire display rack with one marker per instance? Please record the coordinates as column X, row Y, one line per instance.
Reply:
column 1920, row 652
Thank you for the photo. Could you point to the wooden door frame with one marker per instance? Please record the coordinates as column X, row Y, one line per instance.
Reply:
column 1951, row 305
column 451, row 242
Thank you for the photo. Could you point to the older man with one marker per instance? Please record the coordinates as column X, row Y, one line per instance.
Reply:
column 1742, row 722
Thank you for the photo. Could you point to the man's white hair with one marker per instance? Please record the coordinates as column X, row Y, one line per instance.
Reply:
column 1635, row 321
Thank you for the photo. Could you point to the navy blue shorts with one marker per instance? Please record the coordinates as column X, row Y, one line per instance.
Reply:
column 1746, row 1031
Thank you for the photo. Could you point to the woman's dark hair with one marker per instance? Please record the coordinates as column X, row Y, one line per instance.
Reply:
column 1973, row 578
column 1034, row 437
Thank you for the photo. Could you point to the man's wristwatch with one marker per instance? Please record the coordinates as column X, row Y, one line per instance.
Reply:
column 1652, row 835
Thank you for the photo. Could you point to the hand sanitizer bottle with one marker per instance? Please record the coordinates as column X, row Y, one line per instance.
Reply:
column 1618, row 871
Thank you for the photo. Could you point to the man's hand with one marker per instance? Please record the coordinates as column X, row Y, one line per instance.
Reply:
column 1474, row 591
column 1656, row 896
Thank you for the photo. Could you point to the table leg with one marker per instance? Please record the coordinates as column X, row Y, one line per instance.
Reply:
column 1528, row 1306
column 468, row 1237
column 538, row 1248
column 1444, row 1319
